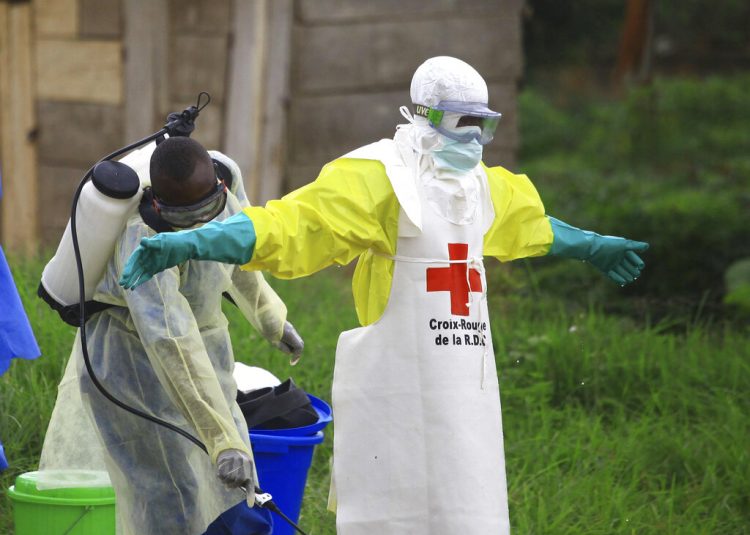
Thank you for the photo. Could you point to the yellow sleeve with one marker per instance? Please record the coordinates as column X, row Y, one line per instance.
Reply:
column 345, row 212
column 521, row 229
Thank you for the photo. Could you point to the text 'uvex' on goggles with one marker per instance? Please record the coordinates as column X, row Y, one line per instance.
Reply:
column 462, row 121
column 202, row 211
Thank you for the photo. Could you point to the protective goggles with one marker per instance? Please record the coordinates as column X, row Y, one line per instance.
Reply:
column 202, row 211
column 462, row 121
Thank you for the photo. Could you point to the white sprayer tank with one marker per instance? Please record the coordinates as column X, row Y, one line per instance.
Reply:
column 103, row 210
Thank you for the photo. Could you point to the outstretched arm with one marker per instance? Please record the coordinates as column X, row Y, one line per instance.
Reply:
column 333, row 220
column 521, row 229
column 230, row 241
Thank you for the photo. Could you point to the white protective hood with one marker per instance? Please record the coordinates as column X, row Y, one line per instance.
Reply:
column 438, row 79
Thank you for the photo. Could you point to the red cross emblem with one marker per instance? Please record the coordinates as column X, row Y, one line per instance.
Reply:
column 454, row 279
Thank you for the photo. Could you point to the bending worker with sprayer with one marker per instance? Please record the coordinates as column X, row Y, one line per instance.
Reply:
column 165, row 349
column 418, row 445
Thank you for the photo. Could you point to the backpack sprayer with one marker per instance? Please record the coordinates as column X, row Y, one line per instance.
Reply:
column 118, row 185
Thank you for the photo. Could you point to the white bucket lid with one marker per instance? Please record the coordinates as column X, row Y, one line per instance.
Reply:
column 70, row 479
column 249, row 378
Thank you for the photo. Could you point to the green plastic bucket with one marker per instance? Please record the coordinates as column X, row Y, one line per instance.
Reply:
column 78, row 510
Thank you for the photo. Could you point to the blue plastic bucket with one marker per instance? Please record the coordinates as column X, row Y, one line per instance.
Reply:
column 324, row 418
column 283, row 458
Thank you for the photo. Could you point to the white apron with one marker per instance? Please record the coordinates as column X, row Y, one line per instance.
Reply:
column 418, row 444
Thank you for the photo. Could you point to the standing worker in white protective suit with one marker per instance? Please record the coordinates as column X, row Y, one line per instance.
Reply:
column 418, row 444
column 165, row 349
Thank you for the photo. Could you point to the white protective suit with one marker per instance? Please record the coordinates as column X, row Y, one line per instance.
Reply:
column 164, row 349
column 418, row 444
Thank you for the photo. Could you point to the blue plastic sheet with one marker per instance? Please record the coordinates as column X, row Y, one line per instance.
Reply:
column 16, row 338
column 242, row 520
column 3, row 460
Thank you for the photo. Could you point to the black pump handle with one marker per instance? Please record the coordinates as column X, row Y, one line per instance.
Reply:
column 183, row 123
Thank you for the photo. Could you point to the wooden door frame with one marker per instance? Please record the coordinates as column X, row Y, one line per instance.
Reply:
column 18, row 154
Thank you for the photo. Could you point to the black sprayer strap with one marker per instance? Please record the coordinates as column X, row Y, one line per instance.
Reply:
column 70, row 314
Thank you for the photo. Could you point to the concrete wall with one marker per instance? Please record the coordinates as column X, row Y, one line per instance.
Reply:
column 79, row 96
column 81, row 61
column 353, row 60
column 294, row 83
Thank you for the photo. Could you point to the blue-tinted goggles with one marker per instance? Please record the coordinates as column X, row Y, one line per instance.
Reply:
column 462, row 121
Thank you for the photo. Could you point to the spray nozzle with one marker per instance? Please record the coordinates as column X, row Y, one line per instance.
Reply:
column 183, row 123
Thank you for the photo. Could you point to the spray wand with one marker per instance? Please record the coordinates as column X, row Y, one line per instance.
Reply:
column 178, row 124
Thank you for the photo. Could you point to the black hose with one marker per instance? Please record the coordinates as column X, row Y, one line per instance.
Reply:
column 275, row 509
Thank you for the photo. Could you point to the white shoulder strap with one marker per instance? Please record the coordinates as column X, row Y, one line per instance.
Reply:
column 373, row 151
column 488, row 210
column 402, row 181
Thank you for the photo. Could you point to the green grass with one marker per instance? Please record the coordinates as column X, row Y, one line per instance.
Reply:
column 612, row 425
column 617, row 428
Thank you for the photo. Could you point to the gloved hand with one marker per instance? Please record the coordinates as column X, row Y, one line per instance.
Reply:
column 230, row 241
column 235, row 469
column 291, row 343
column 615, row 257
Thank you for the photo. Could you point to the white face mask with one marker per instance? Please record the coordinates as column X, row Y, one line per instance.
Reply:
column 453, row 186
column 455, row 155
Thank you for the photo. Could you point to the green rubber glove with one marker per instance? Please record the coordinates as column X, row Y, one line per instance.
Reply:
column 615, row 257
column 230, row 241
